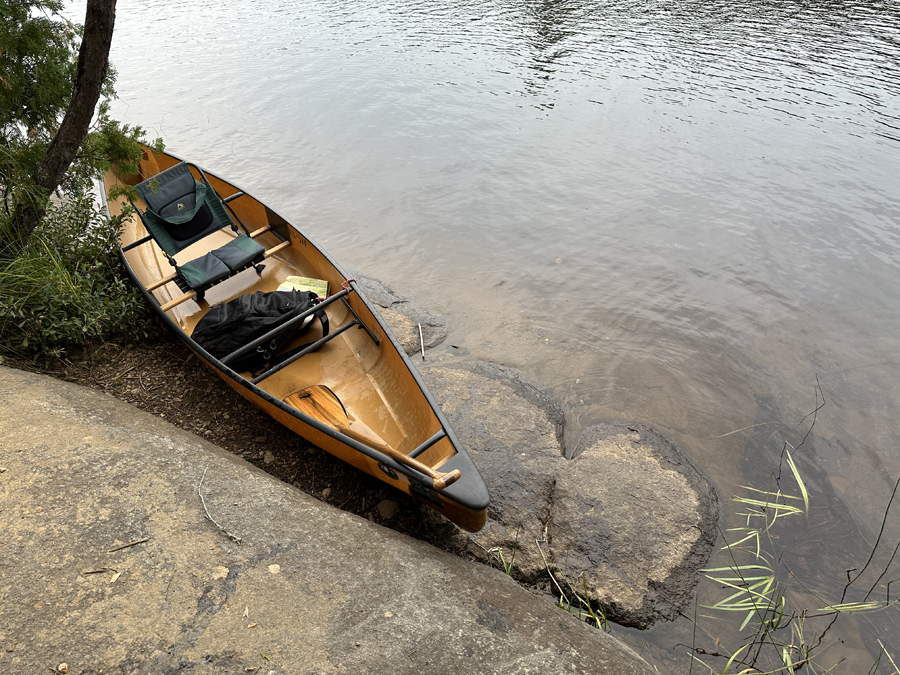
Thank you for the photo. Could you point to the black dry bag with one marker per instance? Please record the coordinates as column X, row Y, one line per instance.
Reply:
column 234, row 324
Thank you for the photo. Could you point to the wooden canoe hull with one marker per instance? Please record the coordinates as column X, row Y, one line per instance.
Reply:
column 368, row 369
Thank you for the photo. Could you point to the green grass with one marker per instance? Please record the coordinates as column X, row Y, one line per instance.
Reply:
column 68, row 286
column 773, row 635
column 580, row 605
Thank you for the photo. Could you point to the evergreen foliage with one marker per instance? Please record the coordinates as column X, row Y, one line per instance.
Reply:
column 63, row 283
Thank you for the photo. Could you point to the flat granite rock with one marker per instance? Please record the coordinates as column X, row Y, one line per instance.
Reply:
column 114, row 561
column 634, row 517
column 629, row 512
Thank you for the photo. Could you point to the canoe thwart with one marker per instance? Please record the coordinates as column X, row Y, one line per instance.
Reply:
column 161, row 282
column 340, row 295
column 361, row 322
column 262, row 230
column 177, row 301
column 138, row 242
column 275, row 249
column 303, row 352
column 427, row 444
column 322, row 405
column 288, row 324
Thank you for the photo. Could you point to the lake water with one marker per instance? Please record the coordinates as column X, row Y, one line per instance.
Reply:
column 679, row 213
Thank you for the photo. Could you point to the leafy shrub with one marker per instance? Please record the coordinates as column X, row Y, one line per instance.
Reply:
column 68, row 286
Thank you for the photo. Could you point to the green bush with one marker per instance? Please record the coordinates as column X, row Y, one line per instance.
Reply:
column 68, row 286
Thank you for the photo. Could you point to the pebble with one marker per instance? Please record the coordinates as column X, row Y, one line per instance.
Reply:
column 388, row 508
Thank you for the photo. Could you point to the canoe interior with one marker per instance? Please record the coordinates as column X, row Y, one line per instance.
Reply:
column 382, row 398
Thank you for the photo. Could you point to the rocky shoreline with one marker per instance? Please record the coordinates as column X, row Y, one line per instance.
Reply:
column 629, row 518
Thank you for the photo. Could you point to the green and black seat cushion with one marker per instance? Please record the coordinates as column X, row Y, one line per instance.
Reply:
column 181, row 211
column 236, row 255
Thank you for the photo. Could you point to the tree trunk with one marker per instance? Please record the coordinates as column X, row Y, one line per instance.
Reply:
column 93, row 62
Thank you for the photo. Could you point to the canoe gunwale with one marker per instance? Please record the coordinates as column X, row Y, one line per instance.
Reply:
column 370, row 452
column 471, row 494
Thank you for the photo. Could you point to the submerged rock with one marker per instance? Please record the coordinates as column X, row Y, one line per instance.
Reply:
column 633, row 519
column 629, row 512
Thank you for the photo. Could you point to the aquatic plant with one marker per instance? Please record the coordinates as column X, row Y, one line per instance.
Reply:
column 775, row 636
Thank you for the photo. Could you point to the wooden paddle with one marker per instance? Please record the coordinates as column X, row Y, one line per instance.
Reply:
column 320, row 403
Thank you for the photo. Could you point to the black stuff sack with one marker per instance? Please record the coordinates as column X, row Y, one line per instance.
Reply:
column 234, row 324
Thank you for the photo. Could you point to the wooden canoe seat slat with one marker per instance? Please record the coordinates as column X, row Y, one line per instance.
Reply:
column 177, row 301
column 262, row 230
column 162, row 282
column 275, row 249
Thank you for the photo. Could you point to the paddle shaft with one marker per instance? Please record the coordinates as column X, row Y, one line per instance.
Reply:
column 320, row 403
column 441, row 480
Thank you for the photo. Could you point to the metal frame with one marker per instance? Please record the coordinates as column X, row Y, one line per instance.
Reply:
column 427, row 444
column 340, row 295
column 275, row 331
column 311, row 348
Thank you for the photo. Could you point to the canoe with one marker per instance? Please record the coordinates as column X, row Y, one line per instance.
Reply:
column 353, row 392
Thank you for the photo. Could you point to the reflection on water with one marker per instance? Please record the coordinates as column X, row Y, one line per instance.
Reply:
column 678, row 213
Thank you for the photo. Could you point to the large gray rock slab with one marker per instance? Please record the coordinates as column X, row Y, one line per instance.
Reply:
column 514, row 433
column 309, row 589
column 629, row 516
column 633, row 519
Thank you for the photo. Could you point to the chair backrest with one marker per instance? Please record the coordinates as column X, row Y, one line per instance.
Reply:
column 180, row 210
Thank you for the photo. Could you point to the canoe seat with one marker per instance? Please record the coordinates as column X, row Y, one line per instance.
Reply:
column 181, row 211
column 236, row 255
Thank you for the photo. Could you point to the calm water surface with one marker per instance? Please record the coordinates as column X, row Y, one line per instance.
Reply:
column 677, row 213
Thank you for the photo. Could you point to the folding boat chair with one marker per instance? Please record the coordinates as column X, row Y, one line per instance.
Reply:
column 181, row 211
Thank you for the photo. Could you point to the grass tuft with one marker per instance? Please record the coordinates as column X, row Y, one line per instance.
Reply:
column 68, row 286
column 772, row 634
